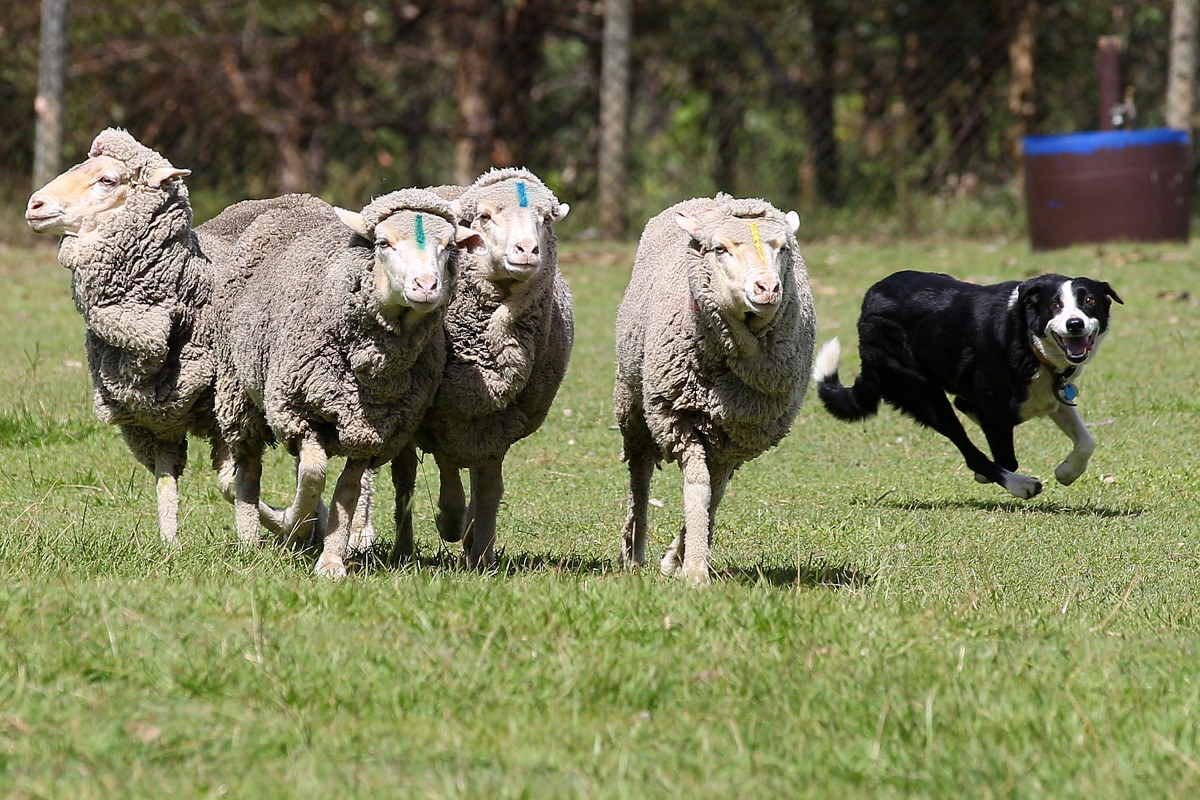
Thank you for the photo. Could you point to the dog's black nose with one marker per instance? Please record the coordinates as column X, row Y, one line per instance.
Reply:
column 1075, row 326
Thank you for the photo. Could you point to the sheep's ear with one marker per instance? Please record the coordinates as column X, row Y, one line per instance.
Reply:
column 164, row 174
column 561, row 212
column 353, row 221
column 470, row 240
column 690, row 224
column 793, row 221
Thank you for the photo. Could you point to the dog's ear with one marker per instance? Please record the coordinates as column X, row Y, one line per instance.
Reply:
column 1028, row 292
column 1108, row 290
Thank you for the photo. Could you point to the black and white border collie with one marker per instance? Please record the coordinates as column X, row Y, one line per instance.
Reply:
column 1007, row 352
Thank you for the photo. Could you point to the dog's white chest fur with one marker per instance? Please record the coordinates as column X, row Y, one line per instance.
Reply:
column 1041, row 399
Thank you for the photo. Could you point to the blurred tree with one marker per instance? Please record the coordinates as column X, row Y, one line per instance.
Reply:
column 497, row 49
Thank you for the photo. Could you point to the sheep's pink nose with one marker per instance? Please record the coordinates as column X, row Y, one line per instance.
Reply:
column 36, row 203
column 767, row 289
column 426, row 283
column 525, row 251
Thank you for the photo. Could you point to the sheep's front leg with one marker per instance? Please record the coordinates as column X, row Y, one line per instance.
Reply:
column 1069, row 422
column 697, row 509
column 168, row 466
column 673, row 558
column 487, row 489
column 222, row 461
column 404, row 478
column 296, row 522
column 332, row 563
column 246, row 478
column 633, row 533
column 452, row 503
column 362, row 529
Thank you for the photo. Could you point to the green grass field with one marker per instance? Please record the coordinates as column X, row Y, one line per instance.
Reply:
column 882, row 625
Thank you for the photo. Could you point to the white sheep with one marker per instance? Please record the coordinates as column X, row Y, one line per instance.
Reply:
column 142, row 280
column 714, row 348
column 330, row 342
column 509, row 332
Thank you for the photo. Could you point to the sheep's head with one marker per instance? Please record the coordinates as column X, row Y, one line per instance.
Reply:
column 746, row 258
column 77, row 202
column 413, row 251
column 515, row 212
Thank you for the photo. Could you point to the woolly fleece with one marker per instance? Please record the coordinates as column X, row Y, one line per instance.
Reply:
column 680, row 368
column 507, row 346
column 143, row 284
column 304, row 344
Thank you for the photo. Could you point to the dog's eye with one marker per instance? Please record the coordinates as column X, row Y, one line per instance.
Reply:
column 1055, row 305
column 1089, row 301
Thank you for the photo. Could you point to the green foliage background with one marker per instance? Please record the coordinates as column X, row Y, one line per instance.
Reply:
column 365, row 91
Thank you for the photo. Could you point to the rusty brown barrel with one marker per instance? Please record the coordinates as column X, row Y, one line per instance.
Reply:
column 1100, row 186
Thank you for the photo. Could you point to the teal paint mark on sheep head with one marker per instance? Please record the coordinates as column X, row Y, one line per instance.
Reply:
column 522, row 195
column 420, row 233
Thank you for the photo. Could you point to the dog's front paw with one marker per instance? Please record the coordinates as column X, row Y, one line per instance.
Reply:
column 1069, row 470
column 1022, row 486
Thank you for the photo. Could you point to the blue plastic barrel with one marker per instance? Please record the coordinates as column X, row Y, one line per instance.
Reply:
column 1101, row 186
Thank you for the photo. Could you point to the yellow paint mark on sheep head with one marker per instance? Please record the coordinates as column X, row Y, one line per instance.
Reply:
column 757, row 241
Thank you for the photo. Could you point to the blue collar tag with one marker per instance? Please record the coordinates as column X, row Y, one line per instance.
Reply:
column 1069, row 392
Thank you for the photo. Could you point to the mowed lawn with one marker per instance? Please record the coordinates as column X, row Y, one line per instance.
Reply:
column 882, row 625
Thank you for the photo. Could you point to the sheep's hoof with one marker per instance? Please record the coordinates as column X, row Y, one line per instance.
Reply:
column 448, row 532
column 329, row 566
column 669, row 565
column 696, row 576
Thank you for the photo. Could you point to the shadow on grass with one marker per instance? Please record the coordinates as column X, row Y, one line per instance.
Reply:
column 452, row 559
column 816, row 573
column 1007, row 506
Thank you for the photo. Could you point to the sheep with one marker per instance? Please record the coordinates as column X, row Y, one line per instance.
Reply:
column 329, row 341
column 509, row 332
column 142, row 280
column 714, row 347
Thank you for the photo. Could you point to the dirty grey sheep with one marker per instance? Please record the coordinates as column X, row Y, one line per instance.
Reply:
column 714, row 350
column 330, row 342
column 509, row 333
column 142, row 280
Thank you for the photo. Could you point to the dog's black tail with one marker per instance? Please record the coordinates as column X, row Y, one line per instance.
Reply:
column 850, row 403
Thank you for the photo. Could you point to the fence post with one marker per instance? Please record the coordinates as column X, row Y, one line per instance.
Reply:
column 1181, row 74
column 1110, row 79
column 614, row 116
column 52, row 56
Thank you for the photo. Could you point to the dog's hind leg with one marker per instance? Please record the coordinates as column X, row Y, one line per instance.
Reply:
column 1069, row 422
column 929, row 406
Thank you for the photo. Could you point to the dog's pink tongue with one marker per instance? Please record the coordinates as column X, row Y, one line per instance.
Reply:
column 1076, row 345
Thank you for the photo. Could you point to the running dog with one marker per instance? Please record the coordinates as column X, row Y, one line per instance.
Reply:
column 1008, row 352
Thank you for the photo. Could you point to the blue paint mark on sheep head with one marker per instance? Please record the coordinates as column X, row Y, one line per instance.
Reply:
column 420, row 233
column 522, row 195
